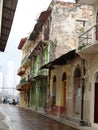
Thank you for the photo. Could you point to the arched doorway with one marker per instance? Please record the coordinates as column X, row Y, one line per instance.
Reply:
column 96, row 101
column 77, row 91
column 64, row 78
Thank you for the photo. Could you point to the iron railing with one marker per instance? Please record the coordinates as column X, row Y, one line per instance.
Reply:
column 88, row 38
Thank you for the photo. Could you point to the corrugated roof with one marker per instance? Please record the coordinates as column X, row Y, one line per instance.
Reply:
column 62, row 60
column 9, row 7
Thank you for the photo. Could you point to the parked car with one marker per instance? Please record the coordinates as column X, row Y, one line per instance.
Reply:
column 12, row 102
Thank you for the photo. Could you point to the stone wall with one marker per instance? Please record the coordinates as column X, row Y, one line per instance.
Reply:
column 70, row 111
column 65, row 22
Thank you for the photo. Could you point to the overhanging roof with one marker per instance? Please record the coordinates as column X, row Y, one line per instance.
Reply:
column 43, row 16
column 9, row 7
column 22, row 42
column 62, row 60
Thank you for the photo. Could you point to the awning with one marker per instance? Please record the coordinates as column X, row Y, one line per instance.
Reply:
column 23, row 86
column 62, row 60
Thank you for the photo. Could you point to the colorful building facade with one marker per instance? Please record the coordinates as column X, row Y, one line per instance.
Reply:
column 66, row 88
column 62, row 89
column 23, row 72
column 51, row 39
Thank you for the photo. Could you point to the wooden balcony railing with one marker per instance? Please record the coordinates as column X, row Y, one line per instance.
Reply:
column 88, row 38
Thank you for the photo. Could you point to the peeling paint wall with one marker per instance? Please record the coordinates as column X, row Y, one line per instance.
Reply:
column 69, row 69
column 65, row 20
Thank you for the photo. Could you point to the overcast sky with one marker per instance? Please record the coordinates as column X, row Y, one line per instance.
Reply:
column 26, row 14
column 24, row 20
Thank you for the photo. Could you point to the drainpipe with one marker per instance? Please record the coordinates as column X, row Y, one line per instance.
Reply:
column 82, row 123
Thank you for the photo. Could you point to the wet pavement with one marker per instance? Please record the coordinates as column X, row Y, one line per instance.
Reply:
column 3, row 123
column 25, row 119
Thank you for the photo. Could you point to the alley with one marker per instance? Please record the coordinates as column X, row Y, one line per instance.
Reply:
column 24, row 119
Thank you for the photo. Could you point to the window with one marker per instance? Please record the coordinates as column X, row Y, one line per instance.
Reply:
column 80, row 26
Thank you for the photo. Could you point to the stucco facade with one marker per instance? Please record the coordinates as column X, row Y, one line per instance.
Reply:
column 68, row 20
column 89, row 53
column 23, row 72
column 66, row 91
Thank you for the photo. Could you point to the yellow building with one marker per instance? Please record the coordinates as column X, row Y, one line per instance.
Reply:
column 23, row 72
column 66, row 87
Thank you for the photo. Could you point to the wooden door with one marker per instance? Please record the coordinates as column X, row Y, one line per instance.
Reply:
column 96, row 104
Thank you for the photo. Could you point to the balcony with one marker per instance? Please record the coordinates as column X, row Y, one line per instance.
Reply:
column 88, row 42
column 31, row 79
column 21, row 71
column 40, row 44
column 43, row 73
column 85, row 1
column 23, row 85
column 37, row 75
column 25, row 61
column 22, row 81
column 20, row 88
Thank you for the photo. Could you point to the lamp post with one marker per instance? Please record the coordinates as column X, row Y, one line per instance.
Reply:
column 82, row 123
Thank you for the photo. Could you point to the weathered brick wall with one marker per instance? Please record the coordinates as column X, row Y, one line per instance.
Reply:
column 63, row 31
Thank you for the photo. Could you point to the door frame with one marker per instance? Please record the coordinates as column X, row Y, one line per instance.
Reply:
column 92, row 106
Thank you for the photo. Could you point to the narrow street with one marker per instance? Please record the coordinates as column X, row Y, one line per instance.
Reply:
column 26, row 119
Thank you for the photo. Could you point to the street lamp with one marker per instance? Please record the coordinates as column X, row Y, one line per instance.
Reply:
column 82, row 123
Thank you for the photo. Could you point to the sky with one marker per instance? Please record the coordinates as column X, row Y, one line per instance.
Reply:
column 27, row 12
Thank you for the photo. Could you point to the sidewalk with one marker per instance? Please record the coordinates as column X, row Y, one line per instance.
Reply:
column 87, row 128
column 3, row 123
column 69, row 123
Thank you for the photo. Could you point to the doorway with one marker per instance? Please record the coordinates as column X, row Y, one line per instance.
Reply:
column 96, row 101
